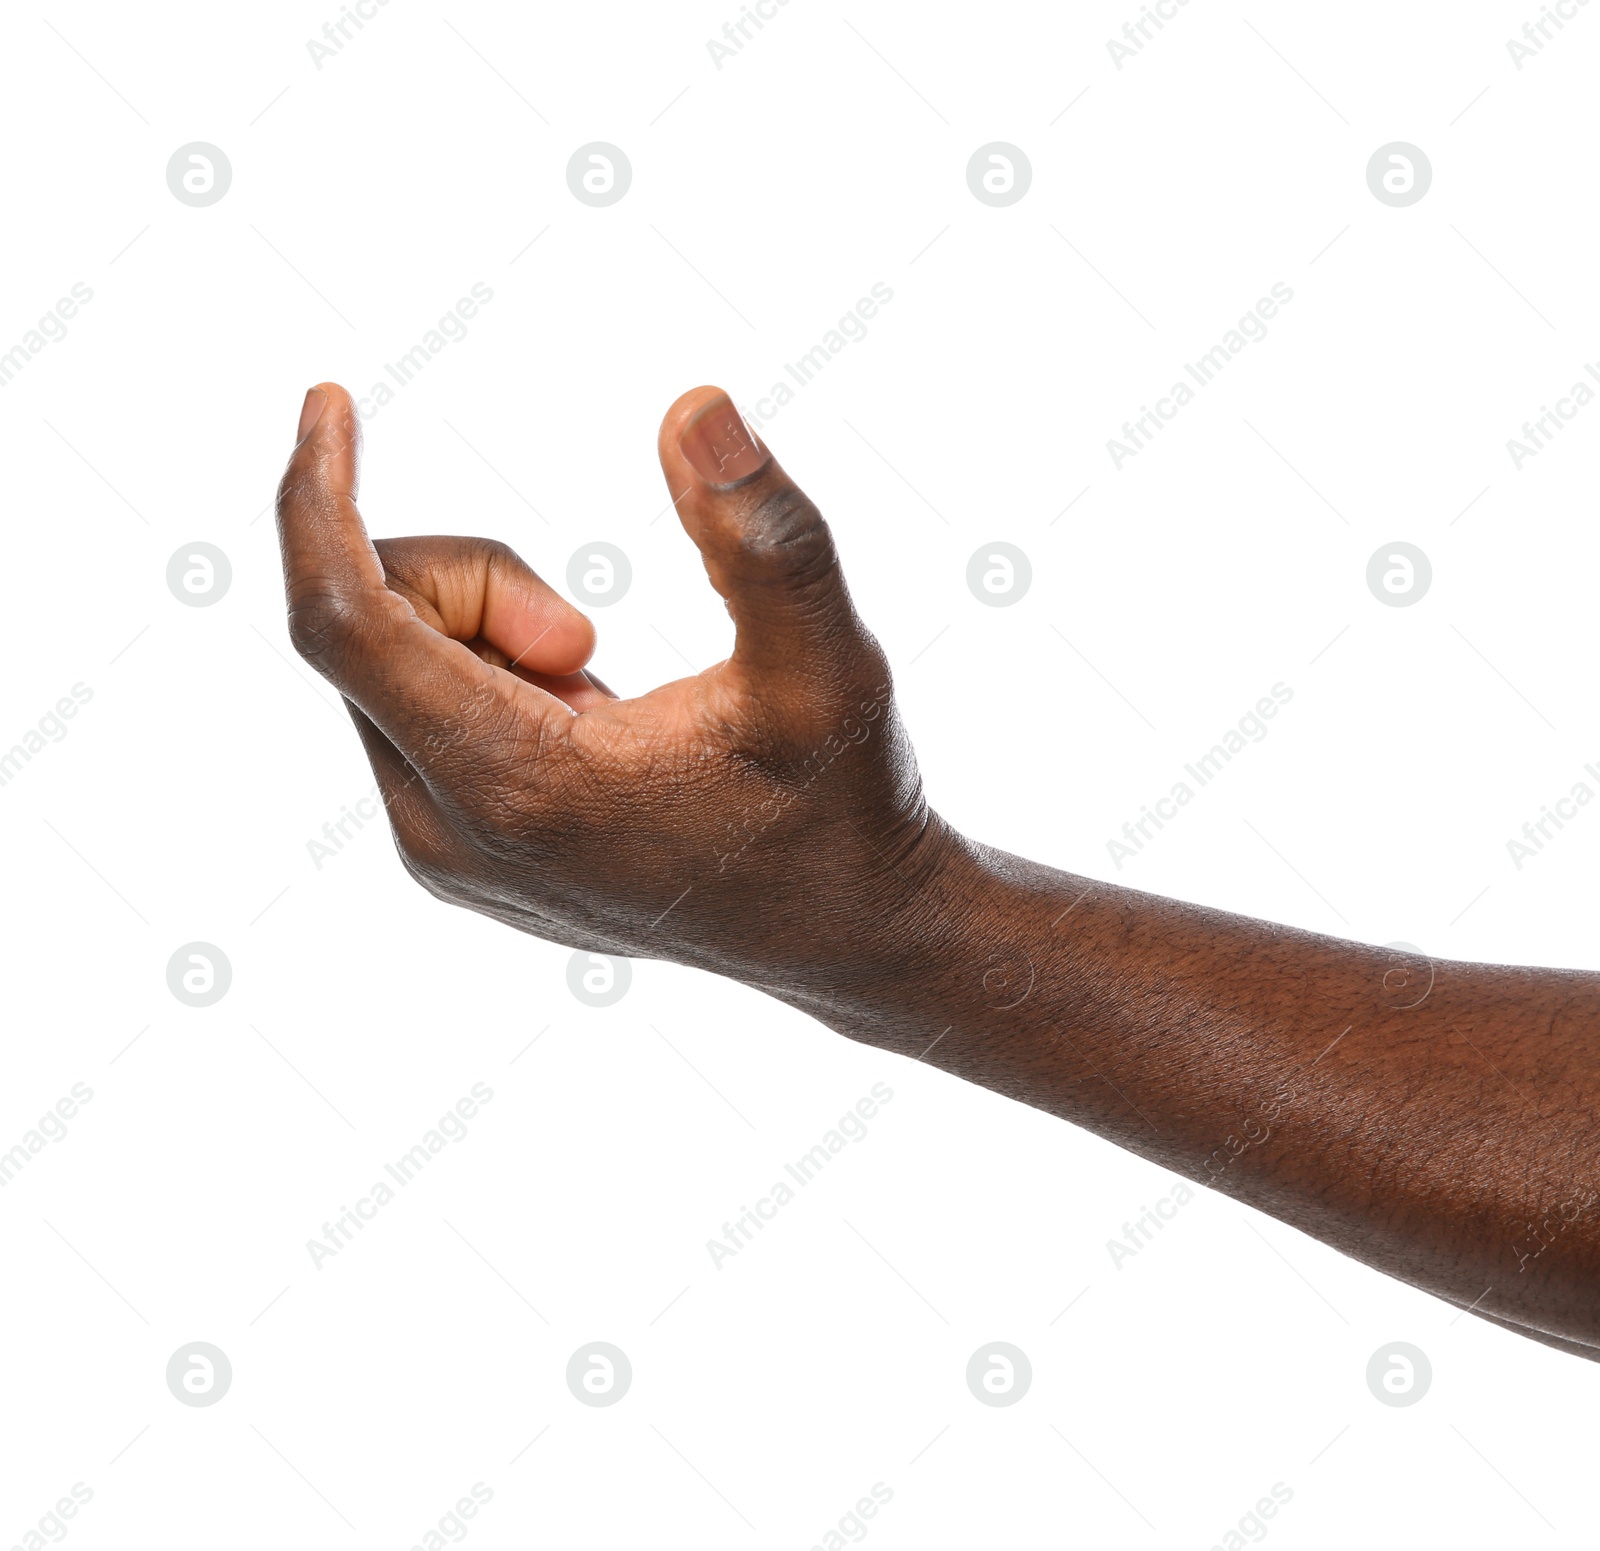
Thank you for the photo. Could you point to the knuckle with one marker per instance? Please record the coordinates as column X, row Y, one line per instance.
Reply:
column 787, row 532
column 285, row 500
column 324, row 624
column 293, row 494
column 428, row 877
column 428, row 866
column 875, row 675
column 495, row 824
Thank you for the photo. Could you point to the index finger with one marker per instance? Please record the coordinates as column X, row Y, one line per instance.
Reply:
column 346, row 622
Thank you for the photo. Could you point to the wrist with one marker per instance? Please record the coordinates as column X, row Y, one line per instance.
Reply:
column 931, row 949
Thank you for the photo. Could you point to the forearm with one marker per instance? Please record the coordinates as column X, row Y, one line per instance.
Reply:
column 1436, row 1120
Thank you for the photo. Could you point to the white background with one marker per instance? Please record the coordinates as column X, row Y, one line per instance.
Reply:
column 767, row 197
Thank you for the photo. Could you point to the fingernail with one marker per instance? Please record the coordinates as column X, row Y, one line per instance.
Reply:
column 720, row 447
column 310, row 413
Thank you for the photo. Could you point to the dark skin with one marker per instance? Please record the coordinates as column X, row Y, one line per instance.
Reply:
column 764, row 820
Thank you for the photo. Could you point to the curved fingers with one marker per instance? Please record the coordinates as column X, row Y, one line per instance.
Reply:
column 424, row 691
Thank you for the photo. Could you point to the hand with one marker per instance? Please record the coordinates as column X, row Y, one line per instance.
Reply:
column 763, row 819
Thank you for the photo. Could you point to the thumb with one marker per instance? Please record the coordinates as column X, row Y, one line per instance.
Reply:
column 328, row 440
column 765, row 545
column 323, row 539
column 327, row 554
